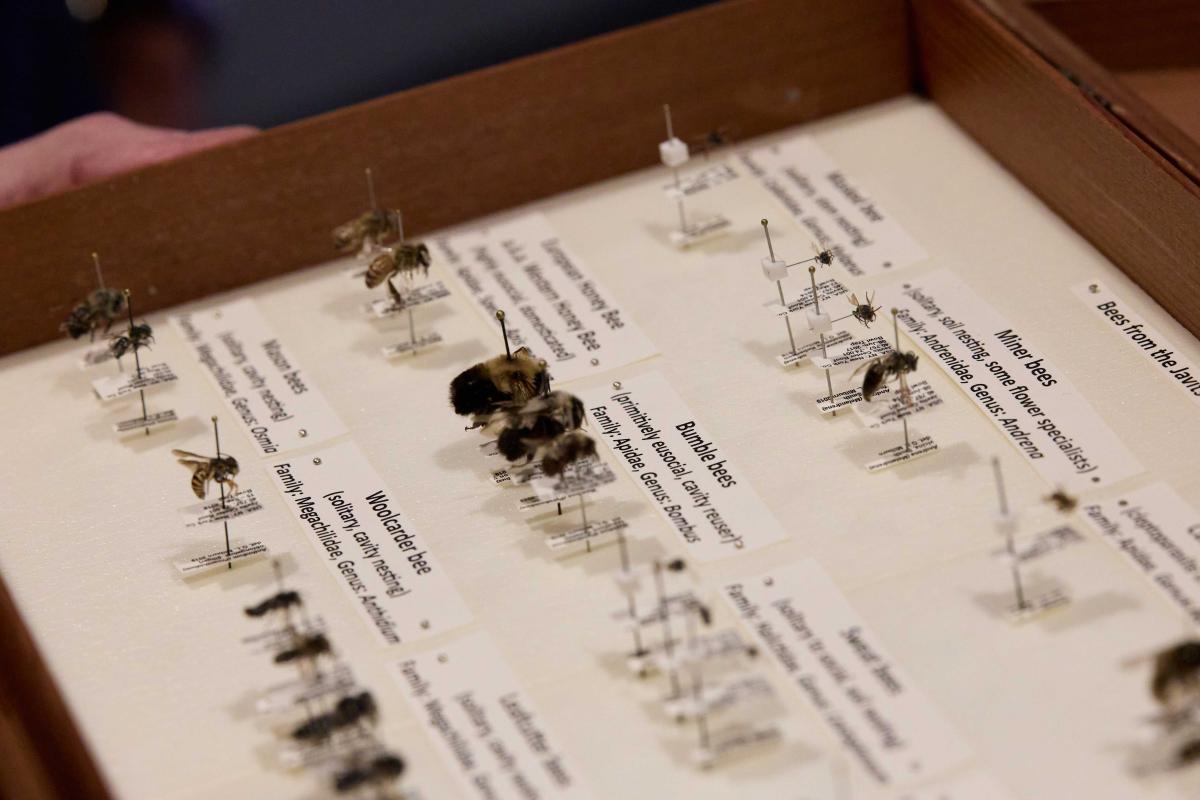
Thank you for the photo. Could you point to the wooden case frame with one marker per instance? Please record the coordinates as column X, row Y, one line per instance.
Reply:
column 510, row 134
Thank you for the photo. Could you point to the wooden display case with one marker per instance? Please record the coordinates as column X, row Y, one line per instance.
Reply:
column 1097, row 125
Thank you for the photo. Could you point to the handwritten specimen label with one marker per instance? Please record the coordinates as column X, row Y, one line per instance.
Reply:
column 1025, row 395
column 840, row 667
column 1156, row 348
column 553, row 304
column 485, row 727
column 688, row 476
column 1159, row 532
column 832, row 207
column 277, row 403
column 382, row 562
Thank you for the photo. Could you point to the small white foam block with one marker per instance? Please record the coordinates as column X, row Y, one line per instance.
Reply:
column 673, row 152
column 774, row 269
column 818, row 323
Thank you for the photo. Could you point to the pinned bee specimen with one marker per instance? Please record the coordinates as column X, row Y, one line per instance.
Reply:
column 1176, row 681
column 566, row 449
column 1062, row 502
column 715, row 139
column 483, row 389
column 219, row 469
column 380, row 770
column 893, row 366
column 99, row 310
column 281, row 601
column 350, row 710
column 863, row 312
column 526, row 429
column 137, row 337
column 405, row 260
column 305, row 647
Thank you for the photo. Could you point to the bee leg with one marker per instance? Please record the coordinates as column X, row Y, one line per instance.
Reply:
column 905, row 392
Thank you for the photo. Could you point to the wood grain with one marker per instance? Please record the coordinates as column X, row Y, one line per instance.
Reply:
column 1093, row 171
column 448, row 152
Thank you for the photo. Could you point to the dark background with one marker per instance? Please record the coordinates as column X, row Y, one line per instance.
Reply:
column 202, row 63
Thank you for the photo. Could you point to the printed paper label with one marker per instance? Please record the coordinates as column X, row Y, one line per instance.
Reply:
column 1026, row 397
column 892, row 407
column 129, row 383
column 485, row 727
column 382, row 562
column 841, row 668
column 552, row 303
column 1153, row 346
column 701, row 180
column 854, row 352
column 833, row 208
column 1159, row 532
column 277, row 403
column 688, row 476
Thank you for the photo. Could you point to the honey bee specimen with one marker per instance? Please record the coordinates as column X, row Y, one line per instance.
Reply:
column 382, row 769
column 893, row 366
column 372, row 227
column 483, row 389
column 219, row 469
column 863, row 312
column 349, row 711
column 525, row 429
column 405, row 259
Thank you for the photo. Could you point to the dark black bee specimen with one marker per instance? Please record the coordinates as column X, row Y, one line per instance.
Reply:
column 220, row 469
column 486, row 387
column 565, row 450
column 307, row 647
column 405, row 259
column 713, row 140
column 895, row 365
column 1177, row 674
column 375, row 225
column 349, row 711
column 277, row 602
column 1062, row 502
column 98, row 310
column 864, row 312
column 380, row 770
column 824, row 257
column 525, row 430
column 137, row 337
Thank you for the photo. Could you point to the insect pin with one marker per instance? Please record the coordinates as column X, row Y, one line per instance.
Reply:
column 895, row 365
column 864, row 312
column 405, row 259
column 483, row 389
column 382, row 769
column 349, row 710
column 219, row 469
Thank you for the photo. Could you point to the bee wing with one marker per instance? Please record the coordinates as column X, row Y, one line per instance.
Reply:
column 854, row 300
column 184, row 457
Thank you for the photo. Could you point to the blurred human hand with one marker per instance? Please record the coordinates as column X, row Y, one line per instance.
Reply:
column 94, row 147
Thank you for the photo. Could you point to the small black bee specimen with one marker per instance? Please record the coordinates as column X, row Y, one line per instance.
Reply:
column 307, row 647
column 98, row 310
column 380, row 770
column 716, row 138
column 405, row 259
column 824, row 257
column 484, row 388
column 348, row 711
column 220, row 469
column 895, row 365
column 1062, row 501
column 277, row 602
column 375, row 225
column 864, row 312
column 566, row 449
column 1176, row 681
column 526, row 429
column 137, row 337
